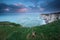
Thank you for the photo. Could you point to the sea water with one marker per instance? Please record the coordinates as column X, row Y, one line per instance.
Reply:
column 24, row 19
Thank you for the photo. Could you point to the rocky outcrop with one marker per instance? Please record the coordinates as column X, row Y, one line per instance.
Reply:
column 50, row 17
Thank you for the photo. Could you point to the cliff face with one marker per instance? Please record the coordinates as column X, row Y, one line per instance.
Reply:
column 50, row 17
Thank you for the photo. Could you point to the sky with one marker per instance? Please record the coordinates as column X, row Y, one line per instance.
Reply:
column 29, row 2
column 40, row 5
column 16, row 1
column 27, row 12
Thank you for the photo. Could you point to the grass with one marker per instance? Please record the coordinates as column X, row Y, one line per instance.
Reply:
column 12, row 31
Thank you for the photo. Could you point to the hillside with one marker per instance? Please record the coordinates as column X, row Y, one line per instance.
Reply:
column 50, row 31
column 12, row 31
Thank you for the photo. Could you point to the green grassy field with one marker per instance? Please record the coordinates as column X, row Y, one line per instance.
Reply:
column 12, row 31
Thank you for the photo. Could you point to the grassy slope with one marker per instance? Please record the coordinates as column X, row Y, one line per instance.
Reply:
column 48, row 32
column 12, row 31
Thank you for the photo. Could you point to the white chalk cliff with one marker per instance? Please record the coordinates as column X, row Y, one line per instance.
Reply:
column 50, row 17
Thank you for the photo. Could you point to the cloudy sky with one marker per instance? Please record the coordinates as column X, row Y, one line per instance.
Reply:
column 41, row 5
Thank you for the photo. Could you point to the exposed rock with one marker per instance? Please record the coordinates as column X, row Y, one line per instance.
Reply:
column 50, row 17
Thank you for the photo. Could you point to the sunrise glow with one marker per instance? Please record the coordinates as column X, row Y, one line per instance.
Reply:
column 22, row 10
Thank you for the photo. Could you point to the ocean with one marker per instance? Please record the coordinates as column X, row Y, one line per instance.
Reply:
column 24, row 19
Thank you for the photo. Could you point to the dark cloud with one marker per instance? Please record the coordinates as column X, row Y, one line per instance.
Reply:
column 10, row 8
column 52, row 6
column 2, row 6
column 47, row 5
column 55, row 4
